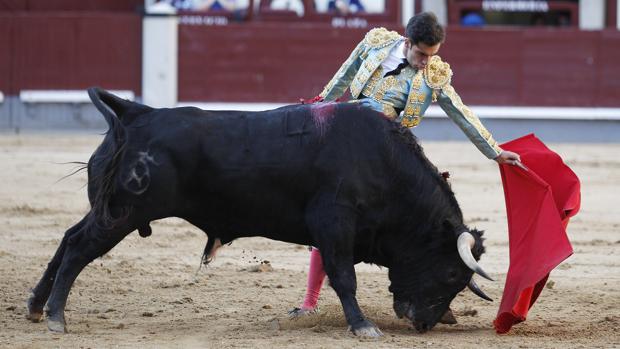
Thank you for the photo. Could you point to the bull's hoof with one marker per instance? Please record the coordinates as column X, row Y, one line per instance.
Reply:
column 448, row 318
column 34, row 316
column 367, row 329
column 57, row 326
column 35, row 312
column 296, row 313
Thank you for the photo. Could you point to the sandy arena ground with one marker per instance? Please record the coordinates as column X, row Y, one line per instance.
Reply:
column 150, row 293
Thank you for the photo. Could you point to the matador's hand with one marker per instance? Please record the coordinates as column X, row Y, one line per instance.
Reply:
column 509, row 158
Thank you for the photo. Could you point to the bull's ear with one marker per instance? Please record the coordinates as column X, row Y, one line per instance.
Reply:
column 96, row 95
column 123, row 107
column 114, row 107
column 476, row 232
column 478, row 249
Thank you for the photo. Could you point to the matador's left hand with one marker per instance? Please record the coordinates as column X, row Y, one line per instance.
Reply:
column 509, row 158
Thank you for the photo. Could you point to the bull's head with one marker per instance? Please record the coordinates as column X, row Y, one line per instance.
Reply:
column 425, row 285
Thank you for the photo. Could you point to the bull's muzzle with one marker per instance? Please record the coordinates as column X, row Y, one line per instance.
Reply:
column 421, row 326
column 406, row 310
column 403, row 309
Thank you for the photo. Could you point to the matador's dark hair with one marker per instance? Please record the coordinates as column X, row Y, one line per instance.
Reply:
column 424, row 27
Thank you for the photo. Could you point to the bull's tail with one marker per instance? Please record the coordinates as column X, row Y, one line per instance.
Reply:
column 103, row 165
column 207, row 251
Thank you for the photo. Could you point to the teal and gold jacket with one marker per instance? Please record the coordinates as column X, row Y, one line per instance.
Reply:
column 405, row 97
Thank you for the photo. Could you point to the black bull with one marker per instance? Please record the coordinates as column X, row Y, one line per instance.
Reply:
column 336, row 176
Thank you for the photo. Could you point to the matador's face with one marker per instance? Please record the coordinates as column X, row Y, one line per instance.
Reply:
column 418, row 54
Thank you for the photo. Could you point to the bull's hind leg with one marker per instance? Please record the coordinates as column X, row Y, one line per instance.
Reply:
column 41, row 292
column 333, row 227
column 84, row 246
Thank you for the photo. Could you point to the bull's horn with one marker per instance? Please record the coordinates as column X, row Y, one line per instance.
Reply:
column 477, row 291
column 464, row 245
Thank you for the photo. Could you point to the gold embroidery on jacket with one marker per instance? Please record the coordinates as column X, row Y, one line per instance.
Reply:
column 374, row 79
column 387, row 84
column 437, row 73
column 381, row 56
column 362, row 76
column 417, row 81
column 377, row 38
column 420, row 97
column 412, row 114
column 410, row 121
column 380, row 37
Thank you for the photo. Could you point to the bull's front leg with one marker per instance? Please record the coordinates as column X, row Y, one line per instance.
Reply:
column 41, row 292
column 88, row 243
column 333, row 227
column 341, row 272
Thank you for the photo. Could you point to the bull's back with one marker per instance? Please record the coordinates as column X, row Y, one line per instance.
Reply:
column 331, row 138
column 256, row 172
column 280, row 141
column 294, row 148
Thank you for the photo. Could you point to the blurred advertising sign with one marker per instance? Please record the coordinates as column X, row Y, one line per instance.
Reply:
column 515, row 5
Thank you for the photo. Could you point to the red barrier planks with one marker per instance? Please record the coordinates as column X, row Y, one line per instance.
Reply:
column 71, row 51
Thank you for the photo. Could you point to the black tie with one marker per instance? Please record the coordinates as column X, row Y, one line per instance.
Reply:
column 398, row 68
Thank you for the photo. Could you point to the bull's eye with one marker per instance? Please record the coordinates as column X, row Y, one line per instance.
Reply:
column 452, row 274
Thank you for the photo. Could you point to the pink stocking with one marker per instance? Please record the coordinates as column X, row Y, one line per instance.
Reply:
column 316, row 275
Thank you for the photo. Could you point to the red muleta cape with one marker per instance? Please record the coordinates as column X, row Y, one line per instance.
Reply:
column 539, row 203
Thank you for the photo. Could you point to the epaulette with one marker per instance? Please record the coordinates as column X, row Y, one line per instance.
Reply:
column 380, row 37
column 437, row 73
